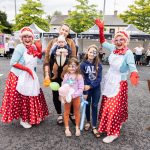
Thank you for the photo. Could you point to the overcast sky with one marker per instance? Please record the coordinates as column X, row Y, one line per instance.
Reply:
column 50, row 6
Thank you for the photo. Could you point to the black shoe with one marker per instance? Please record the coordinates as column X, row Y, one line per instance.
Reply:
column 60, row 120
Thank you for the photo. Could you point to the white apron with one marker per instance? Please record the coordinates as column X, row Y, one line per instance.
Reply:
column 113, row 77
column 26, row 84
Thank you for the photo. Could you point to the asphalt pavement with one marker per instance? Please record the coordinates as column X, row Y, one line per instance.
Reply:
column 49, row 136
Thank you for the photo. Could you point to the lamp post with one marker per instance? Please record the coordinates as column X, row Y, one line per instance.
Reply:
column 104, row 9
column 15, row 8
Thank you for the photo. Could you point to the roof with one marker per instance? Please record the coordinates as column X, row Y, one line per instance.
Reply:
column 110, row 20
column 92, row 30
column 113, row 20
column 93, row 33
column 36, row 29
column 134, row 31
column 58, row 19
column 53, row 32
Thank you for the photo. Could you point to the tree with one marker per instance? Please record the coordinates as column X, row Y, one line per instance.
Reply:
column 5, row 26
column 31, row 12
column 82, row 18
column 57, row 13
column 139, row 15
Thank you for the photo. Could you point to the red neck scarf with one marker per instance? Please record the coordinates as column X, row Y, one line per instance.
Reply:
column 120, row 51
column 30, row 49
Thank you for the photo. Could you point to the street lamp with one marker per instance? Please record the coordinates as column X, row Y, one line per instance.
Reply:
column 104, row 9
column 15, row 8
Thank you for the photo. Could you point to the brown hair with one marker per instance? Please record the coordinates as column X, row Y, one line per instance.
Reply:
column 74, row 60
column 96, row 60
column 65, row 25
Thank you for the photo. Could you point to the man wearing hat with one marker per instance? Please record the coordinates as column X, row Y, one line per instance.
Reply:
column 114, row 106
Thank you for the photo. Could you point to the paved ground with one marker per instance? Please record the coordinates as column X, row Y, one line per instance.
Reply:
column 49, row 136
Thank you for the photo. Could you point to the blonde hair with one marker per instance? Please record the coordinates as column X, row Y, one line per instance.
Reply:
column 96, row 59
column 123, row 34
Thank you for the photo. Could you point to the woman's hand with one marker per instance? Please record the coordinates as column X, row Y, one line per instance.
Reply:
column 134, row 78
column 101, row 30
column 99, row 24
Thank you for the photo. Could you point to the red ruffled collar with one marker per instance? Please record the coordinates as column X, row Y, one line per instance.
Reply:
column 120, row 51
column 31, row 50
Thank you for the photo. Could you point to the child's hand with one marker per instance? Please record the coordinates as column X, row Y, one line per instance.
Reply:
column 86, row 87
column 46, row 82
column 85, row 97
column 58, row 52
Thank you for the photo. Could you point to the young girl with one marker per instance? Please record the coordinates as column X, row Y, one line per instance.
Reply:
column 75, row 80
column 92, row 72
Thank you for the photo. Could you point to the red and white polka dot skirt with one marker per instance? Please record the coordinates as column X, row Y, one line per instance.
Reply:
column 114, row 111
column 32, row 109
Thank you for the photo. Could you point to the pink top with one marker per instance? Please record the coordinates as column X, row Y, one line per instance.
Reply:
column 76, row 82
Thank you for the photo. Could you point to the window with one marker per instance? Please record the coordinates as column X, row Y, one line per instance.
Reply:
column 112, row 31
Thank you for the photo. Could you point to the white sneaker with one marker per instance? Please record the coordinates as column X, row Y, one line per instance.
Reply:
column 25, row 124
column 109, row 139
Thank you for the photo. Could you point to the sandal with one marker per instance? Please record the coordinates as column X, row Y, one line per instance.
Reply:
column 95, row 132
column 148, row 128
column 78, row 133
column 72, row 118
column 60, row 120
column 87, row 126
column 67, row 132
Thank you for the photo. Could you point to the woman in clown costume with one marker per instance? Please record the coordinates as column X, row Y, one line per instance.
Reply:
column 114, row 107
column 23, row 98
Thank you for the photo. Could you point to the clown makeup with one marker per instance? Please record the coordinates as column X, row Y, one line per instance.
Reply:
column 72, row 67
column 27, row 40
column 120, row 42
column 91, row 53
